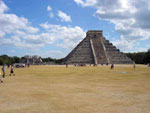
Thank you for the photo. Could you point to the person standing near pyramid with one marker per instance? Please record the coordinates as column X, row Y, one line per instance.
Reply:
column 1, row 79
column 148, row 65
column 134, row 66
column 66, row 65
column 12, row 70
column 4, row 70
column 112, row 66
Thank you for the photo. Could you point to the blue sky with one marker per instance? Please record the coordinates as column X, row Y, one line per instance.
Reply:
column 52, row 28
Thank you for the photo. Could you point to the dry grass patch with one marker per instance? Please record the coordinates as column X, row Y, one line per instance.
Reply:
column 55, row 89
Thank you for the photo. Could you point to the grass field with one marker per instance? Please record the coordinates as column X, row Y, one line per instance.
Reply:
column 55, row 89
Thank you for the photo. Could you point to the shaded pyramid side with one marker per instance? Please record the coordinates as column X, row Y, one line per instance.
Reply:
column 82, row 53
column 114, row 55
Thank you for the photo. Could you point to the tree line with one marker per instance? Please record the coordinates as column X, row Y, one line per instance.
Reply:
column 5, row 59
column 49, row 59
column 139, row 58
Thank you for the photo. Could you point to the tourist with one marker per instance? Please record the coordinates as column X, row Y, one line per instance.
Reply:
column 28, row 65
column 134, row 66
column 94, row 65
column 4, row 70
column 148, row 65
column 12, row 70
column 75, row 65
column 112, row 66
column 1, row 79
column 8, row 65
column 66, row 65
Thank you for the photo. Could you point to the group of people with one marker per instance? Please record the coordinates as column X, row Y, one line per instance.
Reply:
column 111, row 66
column 4, row 72
column 75, row 65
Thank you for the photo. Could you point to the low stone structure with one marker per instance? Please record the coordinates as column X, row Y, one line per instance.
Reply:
column 33, row 60
column 95, row 49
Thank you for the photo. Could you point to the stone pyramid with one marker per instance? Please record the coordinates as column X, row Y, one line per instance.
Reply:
column 95, row 49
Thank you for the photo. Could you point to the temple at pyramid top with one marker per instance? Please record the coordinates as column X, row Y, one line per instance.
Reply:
column 95, row 49
column 94, row 32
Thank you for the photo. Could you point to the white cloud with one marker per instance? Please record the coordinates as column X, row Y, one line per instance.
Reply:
column 2, row 34
column 3, row 7
column 51, row 53
column 122, row 43
column 14, row 30
column 69, row 36
column 130, row 18
column 18, row 31
column 142, row 49
column 87, row 3
column 79, row 2
column 10, row 22
column 64, row 17
column 49, row 8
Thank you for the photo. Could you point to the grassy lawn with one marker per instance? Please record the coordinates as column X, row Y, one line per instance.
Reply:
column 55, row 89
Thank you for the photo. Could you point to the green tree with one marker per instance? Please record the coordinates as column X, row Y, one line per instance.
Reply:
column 139, row 57
column 16, row 59
column 147, row 59
column 1, row 61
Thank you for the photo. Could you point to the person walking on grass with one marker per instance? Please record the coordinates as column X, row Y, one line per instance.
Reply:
column 66, row 65
column 1, row 79
column 148, row 65
column 4, row 70
column 134, row 66
column 112, row 66
column 12, row 71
